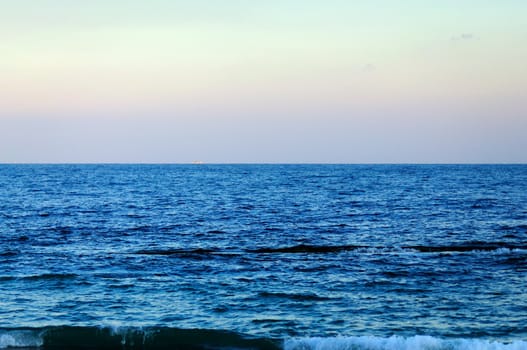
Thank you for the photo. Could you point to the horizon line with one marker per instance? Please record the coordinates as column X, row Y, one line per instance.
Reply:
column 262, row 163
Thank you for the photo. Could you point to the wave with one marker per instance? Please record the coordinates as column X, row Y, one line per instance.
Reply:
column 164, row 338
column 400, row 343
column 20, row 339
column 126, row 338
column 9, row 253
column 293, row 296
column 472, row 247
column 306, row 248
column 200, row 251
column 44, row 276
column 498, row 247
column 461, row 248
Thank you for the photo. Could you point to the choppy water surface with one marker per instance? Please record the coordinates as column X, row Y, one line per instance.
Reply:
column 294, row 256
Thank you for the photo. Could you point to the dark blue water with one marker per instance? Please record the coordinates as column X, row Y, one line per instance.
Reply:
column 263, row 256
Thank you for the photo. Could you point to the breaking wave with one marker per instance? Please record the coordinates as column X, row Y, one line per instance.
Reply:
column 498, row 247
column 164, row 338
column 400, row 343
column 126, row 338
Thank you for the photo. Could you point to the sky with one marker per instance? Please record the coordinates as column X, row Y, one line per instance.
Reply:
column 275, row 81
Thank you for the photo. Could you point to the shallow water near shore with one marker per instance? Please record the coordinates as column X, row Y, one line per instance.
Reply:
column 263, row 256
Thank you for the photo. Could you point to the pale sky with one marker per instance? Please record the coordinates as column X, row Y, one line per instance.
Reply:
column 287, row 81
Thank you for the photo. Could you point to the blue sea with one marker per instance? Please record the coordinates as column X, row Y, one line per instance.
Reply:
column 263, row 257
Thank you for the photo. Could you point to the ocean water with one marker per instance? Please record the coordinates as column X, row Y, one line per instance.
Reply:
column 263, row 256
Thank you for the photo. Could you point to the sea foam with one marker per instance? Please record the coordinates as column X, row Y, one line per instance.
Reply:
column 19, row 339
column 399, row 343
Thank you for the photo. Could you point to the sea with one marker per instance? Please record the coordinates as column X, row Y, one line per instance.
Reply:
column 246, row 256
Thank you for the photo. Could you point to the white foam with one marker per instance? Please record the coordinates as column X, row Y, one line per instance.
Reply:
column 19, row 339
column 507, row 251
column 399, row 343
